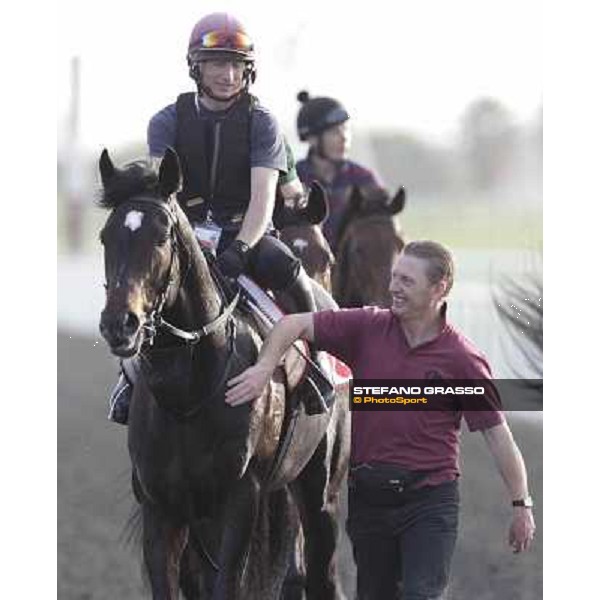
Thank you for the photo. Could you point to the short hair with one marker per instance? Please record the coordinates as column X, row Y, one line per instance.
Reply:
column 440, row 262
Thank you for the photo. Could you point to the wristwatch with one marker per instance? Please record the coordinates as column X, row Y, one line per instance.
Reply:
column 241, row 247
column 526, row 502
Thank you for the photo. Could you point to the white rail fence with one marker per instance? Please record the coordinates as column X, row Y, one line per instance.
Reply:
column 471, row 308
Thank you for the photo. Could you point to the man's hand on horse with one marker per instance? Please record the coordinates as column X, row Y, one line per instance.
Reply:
column 232, row 261
column 248, row 385
column 522, row 529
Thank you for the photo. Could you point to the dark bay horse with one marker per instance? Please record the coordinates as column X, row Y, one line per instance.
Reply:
column 369, row 240
column 215, row 512
column 301, row 232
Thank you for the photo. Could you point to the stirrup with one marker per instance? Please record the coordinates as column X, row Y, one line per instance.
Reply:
column 118, row 403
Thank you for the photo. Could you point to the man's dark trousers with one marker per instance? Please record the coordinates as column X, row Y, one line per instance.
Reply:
column 412, row 542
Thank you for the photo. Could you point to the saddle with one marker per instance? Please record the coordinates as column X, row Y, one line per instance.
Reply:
column 265, row 312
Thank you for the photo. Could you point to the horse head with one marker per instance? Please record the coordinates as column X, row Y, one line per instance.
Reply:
column 139, row 240
column 375, row 201
column 368, row 243
column 313, row 212
column 301, row 231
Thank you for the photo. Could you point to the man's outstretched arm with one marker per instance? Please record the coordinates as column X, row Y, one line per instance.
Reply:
column 250, row 384
column 511, row 465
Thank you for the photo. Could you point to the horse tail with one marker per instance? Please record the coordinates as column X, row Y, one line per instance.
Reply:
column 132, row 532
column 131, row 536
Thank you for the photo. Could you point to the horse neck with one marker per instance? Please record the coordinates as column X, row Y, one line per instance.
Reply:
column 198, row 301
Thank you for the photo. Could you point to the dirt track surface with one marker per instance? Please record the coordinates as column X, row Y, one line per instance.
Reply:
column 94, row 500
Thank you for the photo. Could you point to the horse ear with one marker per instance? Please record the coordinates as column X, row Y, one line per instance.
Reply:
column 398, row 202
column 279, row 211
column 169, row 174
column 356, row 200
column 317, row 206
column 107, row 169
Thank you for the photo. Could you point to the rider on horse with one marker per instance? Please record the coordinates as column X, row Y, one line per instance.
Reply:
column 232, row 155
column 323, row 123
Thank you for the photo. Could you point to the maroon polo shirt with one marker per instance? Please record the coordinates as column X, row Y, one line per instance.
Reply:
column 372, row 343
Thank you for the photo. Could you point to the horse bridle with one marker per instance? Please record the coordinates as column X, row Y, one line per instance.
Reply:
column 154, row 319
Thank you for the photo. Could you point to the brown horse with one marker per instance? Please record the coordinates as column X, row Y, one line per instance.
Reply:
column 369, row 241
column 214, row 482
column 301, row 232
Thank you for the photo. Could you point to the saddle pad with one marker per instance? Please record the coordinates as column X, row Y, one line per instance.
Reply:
column 339, row 372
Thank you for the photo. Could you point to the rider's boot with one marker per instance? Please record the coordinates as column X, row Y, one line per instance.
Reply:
column 118, row 403
column 322, row 392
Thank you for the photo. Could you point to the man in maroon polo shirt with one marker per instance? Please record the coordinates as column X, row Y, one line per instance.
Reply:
column 407, row 533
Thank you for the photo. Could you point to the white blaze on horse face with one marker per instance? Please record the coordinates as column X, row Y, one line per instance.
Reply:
column 300, row 244
column 133, row 220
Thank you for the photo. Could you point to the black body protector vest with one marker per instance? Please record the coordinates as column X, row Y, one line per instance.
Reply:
column 215, row 160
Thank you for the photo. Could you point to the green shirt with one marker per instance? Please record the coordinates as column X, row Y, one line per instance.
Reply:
column 291, row 166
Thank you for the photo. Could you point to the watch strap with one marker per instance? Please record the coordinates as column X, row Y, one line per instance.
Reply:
column 526, row 502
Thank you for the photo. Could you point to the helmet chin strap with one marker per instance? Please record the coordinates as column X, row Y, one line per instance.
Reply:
column 249, row 76
column 206, row 91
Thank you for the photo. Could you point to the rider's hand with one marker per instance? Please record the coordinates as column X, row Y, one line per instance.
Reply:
column 522, row 529
column 232, row 262
column 248, row 385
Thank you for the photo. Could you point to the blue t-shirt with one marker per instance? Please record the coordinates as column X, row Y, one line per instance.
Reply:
column 267, row 146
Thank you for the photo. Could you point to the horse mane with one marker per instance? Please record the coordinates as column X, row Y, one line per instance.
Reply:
column 133, row 179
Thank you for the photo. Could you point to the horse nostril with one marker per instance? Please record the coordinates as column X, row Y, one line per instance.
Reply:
column 105, row 324
column 130, row 323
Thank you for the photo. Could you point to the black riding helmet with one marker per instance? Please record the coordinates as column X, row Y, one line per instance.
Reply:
column 318, row 114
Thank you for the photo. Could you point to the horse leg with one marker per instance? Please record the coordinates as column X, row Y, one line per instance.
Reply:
column 284, row 533
column 198, row 567
column 271, row 547
column 164, row 543
column 295, row 580
column 319, row 521
column 239, row 519
column 191, row 580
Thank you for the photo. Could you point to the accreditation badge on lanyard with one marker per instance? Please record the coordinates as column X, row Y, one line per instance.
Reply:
column 208, row 235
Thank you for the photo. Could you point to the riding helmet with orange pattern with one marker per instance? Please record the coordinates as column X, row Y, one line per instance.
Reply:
column 220, row 35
